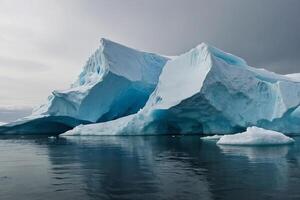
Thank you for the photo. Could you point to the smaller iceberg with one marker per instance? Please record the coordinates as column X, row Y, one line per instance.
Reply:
column 2, row 123
column 213, row 137
column 256, row 136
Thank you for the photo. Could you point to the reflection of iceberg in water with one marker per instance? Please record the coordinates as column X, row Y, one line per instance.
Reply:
column 257, row 154
column 274, row 157
column 21, row 152
column 146, row 168
column 130, row 166
column 164, row 167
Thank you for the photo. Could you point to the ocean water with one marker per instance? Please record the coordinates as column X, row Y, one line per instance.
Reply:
column 150, row 167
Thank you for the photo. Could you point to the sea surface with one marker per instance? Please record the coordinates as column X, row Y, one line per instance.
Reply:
column 150, row 167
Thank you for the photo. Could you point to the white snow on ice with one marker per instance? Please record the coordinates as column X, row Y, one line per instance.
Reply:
column 213, row 137
column 294, row 77
column 256, row 136
column 113, row 127
column 2, row 123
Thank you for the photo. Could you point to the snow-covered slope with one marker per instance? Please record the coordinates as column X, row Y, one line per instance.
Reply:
column 209, row 91
column 295, row 77
column 116, row 81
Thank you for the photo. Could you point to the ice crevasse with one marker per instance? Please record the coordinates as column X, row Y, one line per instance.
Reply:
column 208, row 91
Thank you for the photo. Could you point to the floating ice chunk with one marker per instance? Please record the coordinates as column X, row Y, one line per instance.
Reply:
column 2, row 123
column 256, row 136
column 213, row 137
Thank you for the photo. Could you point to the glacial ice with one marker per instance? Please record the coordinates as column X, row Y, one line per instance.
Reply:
column 208, row 91
column 116, row 81
column 114, row 127
column 256, row 136
column 295, row 77
column 203, row 91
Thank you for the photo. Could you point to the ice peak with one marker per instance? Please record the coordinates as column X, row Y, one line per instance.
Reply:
column 120, row 60
column 202, row 45
column 104, row 42
column 219, row 54
column 108, row 41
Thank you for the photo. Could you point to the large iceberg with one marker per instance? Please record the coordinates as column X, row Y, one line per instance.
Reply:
column 208, row 91
column 116, row 81
column 256, row 136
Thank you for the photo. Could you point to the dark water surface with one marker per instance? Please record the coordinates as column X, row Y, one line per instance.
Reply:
column 161, row 167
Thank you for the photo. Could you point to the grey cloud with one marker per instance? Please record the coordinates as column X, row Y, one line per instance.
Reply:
column 23, row 65
column 259, row 31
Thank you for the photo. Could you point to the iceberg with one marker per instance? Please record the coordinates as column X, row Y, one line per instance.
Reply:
column 115, row 82
column 256, row 136
column 212, row 137
column 2, row 123
column 123, row 91
column 208, row 91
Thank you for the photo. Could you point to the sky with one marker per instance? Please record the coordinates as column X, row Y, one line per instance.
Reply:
column 45, row 43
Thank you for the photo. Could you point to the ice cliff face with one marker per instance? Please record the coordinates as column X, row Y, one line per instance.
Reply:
column 209, row 91
column 116, row 81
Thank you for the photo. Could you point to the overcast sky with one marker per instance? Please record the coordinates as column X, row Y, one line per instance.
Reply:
column 45, row 43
